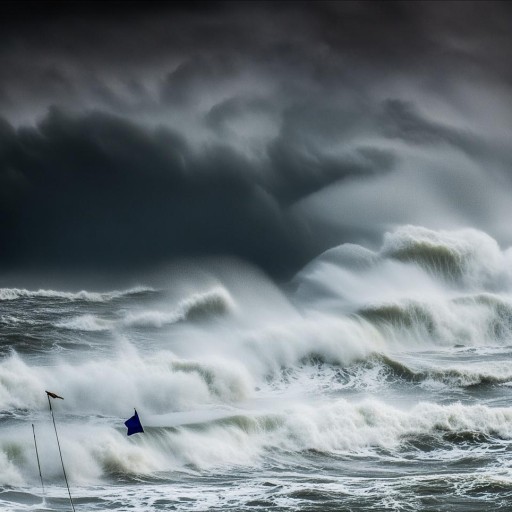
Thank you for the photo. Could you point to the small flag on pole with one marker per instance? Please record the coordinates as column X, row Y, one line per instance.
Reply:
column 53, row 395
column 133, row 424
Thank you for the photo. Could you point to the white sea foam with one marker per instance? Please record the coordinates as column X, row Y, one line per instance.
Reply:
column 339, row 426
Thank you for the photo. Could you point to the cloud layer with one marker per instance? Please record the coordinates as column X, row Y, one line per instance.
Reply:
column 133, row 134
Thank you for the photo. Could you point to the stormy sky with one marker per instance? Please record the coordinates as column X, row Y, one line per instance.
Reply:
column 136, row 133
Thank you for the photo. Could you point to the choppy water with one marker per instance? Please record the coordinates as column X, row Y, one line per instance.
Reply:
column 375, row 380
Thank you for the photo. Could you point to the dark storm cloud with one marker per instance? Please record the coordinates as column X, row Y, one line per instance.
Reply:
column 72, row 53
column 98, row 190
column 196, row 128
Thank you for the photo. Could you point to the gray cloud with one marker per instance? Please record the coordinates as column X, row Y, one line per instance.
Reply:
column 403, row 121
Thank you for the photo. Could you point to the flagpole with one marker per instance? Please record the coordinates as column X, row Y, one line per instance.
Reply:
column 60, row 453
column 38, row 464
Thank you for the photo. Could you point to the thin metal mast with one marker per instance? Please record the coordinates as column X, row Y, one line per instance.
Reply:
column 60, row 453
column 38, row 464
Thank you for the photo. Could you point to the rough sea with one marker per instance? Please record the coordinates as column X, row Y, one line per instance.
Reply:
column 375, row 379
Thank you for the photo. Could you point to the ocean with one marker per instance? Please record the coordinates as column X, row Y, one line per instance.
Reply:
column 377, row 378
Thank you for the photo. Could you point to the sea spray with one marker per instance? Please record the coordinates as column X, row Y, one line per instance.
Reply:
column 162, row 382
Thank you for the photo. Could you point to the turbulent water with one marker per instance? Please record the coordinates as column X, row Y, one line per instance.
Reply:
column 374, row 380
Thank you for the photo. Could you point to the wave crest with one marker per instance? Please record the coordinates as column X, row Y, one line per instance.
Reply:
column 197, row 307
column 474, row 319
column 467, row 256
column 451, row 376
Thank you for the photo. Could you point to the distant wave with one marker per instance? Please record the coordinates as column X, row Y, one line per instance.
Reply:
column 213, row 302
column 85, row 323
column 14, row 320
column 200, row 305
column 454, row 376
column 20, row 293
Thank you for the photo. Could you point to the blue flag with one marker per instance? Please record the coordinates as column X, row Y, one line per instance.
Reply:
column 134, row 424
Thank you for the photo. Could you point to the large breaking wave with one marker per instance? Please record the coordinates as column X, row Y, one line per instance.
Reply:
column 248, row 437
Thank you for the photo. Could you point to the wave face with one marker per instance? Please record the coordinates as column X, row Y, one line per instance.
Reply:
column 370, row 363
